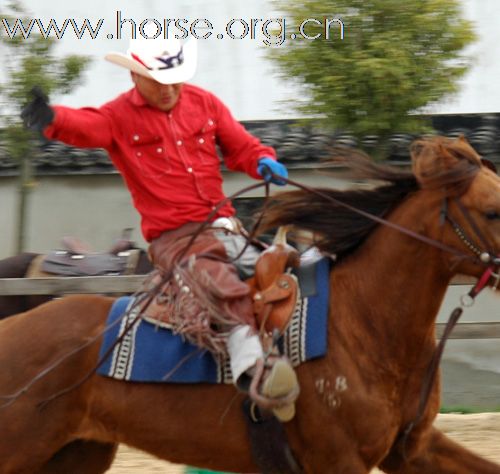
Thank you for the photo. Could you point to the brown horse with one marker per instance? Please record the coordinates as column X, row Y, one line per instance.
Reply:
column 355, row 403
column 18, row 266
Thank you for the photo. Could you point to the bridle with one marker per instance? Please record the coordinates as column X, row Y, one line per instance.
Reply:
column 484, row 256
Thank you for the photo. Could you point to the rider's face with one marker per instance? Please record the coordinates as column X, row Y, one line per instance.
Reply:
column 161, row 96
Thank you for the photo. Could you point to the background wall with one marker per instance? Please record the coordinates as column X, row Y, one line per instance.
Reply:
column 233, row 69
column 236, row 70
column 95, row 208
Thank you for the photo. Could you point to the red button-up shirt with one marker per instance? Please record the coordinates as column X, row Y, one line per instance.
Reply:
column 167, row 159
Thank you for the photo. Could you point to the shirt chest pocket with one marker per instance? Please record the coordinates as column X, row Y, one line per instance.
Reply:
column 205, row 142
column 150, row 155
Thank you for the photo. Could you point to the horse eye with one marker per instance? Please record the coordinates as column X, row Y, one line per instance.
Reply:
column 492, row 215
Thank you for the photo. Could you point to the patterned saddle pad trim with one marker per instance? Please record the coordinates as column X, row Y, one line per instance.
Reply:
column 148, row 353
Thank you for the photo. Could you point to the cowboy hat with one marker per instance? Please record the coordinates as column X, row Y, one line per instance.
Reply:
column 165, row 60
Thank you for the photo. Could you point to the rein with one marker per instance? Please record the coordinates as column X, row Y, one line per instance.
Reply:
column 392, row 225
column 432, row 368
column 481, row 258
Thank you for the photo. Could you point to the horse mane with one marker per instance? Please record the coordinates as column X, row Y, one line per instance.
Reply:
column 438, row 162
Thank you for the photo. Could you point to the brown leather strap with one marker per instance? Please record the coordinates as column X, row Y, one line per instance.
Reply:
column 430, row 375
column 392, row 225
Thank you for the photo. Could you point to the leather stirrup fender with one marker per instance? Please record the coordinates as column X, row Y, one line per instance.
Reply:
column 274, row 306
column 274, row 291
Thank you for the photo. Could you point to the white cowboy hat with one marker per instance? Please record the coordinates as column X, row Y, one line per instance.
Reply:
column 164, row 60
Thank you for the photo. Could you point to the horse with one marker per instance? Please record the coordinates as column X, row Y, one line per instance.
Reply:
column 398, row 245
column 21, row 265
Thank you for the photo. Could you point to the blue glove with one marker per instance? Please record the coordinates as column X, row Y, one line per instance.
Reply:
column 267, row 166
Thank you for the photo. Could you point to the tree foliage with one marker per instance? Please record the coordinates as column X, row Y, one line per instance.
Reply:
column 29, row 61
column 395, row 58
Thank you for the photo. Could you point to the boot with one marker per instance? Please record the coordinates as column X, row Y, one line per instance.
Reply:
column 269, row 380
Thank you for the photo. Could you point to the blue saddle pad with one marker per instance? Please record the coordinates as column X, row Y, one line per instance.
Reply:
column 148, row 353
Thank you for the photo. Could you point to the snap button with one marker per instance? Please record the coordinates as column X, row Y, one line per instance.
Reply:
column 135, row 138
column 179, row 142
column 202, row 140
column 210, row 122
column 159, row 150
column 190, row 170
column 139, row 153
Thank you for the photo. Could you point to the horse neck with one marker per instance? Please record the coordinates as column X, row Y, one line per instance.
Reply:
column 395, row 285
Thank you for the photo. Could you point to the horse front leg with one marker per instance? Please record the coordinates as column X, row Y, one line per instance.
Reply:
column 438, row 454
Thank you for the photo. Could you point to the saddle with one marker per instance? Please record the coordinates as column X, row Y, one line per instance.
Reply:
column 274, row 289
column 75, row 246
column 76, row 259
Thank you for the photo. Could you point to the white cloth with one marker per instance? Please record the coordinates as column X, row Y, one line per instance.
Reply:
column 244, row 349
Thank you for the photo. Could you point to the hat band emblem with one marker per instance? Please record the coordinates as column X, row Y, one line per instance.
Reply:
column 168, row 61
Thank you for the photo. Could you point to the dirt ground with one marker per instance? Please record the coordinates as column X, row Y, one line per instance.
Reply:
column 479, row 432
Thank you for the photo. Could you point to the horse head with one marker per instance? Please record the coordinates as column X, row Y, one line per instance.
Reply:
column 468, row 191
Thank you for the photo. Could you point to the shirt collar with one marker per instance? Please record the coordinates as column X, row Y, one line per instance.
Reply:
column 137, row 99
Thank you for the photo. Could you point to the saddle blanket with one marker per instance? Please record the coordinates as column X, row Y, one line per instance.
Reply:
column 148, row 353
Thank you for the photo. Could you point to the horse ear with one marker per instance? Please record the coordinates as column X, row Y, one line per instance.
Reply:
column 489, row 164
column 448, row 158
column 430, row 158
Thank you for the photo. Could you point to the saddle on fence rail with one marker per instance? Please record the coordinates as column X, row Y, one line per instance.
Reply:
column 75, row 246
column 77, row 259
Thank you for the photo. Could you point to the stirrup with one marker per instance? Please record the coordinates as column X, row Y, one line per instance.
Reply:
column 280, row 388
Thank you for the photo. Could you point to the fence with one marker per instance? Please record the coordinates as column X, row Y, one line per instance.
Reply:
column 131, row 283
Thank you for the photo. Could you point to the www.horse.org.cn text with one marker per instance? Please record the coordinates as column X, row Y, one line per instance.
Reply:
column 271, row 31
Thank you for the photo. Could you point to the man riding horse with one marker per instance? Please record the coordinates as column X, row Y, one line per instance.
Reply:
column 162, row 135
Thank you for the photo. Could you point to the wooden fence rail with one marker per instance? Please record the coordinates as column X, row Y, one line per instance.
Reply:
column 131, row 283
column 65, row 285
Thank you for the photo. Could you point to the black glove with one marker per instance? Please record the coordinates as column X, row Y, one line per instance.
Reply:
column 37, row 114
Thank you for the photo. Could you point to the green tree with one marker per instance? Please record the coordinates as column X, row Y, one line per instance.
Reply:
column 395, row 58
column 28, row 60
